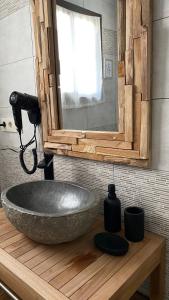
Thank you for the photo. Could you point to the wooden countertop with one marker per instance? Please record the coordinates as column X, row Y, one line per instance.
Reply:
column 76, row 270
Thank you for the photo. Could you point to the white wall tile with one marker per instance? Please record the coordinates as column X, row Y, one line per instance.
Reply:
column 15, row 37
column 16, row 76
column 160, row 9
column 160, row 70
column 160, row 134
column 20, row 77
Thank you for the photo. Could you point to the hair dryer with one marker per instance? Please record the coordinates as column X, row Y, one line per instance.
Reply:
column 26, row 102
column 29, row 103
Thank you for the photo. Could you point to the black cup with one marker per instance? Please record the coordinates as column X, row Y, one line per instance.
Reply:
column 134, row 223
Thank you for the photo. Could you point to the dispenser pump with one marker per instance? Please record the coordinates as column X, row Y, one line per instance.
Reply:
column 111, row 190
column 112, row 211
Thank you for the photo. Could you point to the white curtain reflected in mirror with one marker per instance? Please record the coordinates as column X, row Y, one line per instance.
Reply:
column 87, row 52
column 80, row 49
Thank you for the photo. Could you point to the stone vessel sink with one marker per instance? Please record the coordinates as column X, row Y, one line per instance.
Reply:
column 50, row 212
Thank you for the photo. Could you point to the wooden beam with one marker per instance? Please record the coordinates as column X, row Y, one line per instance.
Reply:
column 118, row 153
column 137, row 66
column 105, row 135
column 121, row 29
column 145, row 126
column 129, row 113
column 62, row 140
column 129, row 66
column 121, row 104
column 57, row 146
column 105, row 143
column 137, row 121
column 137, row 18
column 145, row 80
column 69, row 133
column 129, row 24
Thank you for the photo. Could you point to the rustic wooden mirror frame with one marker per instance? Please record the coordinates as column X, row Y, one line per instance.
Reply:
column 130, row 145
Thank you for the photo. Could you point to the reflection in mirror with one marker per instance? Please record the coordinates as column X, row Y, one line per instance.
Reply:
column 86, row 39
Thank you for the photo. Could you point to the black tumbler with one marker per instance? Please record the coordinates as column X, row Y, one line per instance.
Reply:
column 134, row 223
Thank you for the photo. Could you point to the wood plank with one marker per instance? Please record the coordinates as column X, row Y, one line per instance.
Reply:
column 20, row 280
column 62, row 152
column 71, row 287
column 121, row 68
column 54, row 108
column 36, row 27
column 5, row 229
column 146, row 13
column 92, row 156
column 62, row 140
column 158, row 280
column 72, row 265
column 47, row 13
column 45, row 56
column 129, row 66
column 105, row 143
column 49, row 268
column 91, row 286
column 129, row 24
column 137, row 18
column 69, row 133
column 137, row 121
column 52, row 80
column 8, row 235
column 11, row 240
column 145, row 128
column 22, row 250
column 41, row 11
column 121, row 104
column 84, row 148
column 137, row 66
column 128, row 113
column 32, row 253
column 145, row 66
column 14, row 246
column 39, row 258
column 57, row 146
column 118, row 153
column 44, row 121
column 128, row 161
column 148, row 257
column 121, row 29
column 105, row 135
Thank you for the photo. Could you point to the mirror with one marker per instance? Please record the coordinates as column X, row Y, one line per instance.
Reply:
column 86, row 40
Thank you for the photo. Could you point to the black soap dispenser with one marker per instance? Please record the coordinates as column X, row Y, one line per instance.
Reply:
column 112, row 211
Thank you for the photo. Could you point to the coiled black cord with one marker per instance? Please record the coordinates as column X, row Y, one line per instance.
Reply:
column 34, row 152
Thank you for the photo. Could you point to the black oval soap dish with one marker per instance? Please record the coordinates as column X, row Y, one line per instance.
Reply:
column 111, row 243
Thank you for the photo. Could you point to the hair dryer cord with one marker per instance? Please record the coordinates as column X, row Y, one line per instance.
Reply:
column 34, row 152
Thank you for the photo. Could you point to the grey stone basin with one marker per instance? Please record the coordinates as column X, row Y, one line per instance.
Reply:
column 50, row 212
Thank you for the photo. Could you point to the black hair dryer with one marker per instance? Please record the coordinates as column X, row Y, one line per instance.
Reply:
column 29, row 103
column 26, row 102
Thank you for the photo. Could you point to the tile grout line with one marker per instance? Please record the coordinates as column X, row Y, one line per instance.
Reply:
column 14, row 62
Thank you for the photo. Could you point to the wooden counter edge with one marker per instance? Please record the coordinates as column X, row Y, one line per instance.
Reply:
column 24, row 282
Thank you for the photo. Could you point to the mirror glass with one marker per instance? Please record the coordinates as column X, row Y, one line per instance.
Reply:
column 86, row 39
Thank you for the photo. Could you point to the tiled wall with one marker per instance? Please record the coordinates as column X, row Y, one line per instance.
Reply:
column 16, row 60
column 148, row 188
